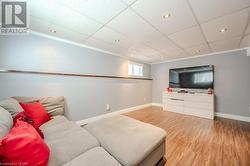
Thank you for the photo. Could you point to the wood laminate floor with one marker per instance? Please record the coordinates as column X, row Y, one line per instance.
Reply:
column 197, row 141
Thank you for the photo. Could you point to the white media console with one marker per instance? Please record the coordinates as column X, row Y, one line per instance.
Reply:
column 196, row 104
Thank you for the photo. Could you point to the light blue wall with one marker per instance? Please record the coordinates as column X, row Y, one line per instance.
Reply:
column 85, row 97
column 232, row 80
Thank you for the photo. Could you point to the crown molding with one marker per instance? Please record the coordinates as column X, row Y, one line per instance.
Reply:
column 203, row 55
column 129, row 58
column 83, row 45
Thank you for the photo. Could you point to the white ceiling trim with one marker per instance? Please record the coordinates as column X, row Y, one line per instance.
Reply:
column 202, row 55
column 128, row 58
column 83, row 45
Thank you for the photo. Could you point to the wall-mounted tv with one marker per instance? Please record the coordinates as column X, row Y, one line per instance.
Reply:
column 198, row 77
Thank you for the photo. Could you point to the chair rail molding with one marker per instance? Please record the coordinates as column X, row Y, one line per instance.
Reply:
column 71, row 74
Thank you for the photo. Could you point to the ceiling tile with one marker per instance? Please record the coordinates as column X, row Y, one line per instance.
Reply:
column 79, row 19
column 128, row 2
column 198, row 50
column 62, row 16
column 188, row 37
column 235, row 24
column 134, row 27
column 143, row 53
column 104, row 46
column 210, row 9
column 141, row 57
column 223, row 45
column 245, row 41
column 141, row 50
column 163, row 44
column 100, row 10
column 110, row 36
column 147, row 59
column 180, row 55
column 38, row 25
column 177, row 54
column 153, row 11
column 147, row 51
column 167, row 48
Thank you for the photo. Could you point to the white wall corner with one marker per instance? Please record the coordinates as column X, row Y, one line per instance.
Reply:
column 234, row 117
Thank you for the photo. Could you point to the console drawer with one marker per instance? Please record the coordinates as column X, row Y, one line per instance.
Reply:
column 201, row 105
column 175, row 102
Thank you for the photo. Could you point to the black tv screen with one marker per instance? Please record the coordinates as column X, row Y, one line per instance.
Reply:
column 198, row 77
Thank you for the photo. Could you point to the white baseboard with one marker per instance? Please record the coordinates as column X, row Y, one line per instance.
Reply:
column 85, row 121
column 157, row 104
column 218, row 114
column 234, row 117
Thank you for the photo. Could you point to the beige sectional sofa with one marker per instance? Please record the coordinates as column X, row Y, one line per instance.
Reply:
column 113, row 141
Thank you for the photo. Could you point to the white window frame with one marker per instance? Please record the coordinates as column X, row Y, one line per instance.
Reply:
column 135, row 69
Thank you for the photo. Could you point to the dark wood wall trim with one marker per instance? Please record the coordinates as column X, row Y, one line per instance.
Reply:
column 71, row 74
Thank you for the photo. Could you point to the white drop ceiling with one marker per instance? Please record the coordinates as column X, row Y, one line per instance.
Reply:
column 136, row 28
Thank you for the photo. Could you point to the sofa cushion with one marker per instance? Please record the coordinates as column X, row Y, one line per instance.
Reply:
column 12, row 106
column 128, row 140
column 6, row 122
column 55, row 120
column 54, row 105
column 67, row 146
column 94, row 157
column 58, row 128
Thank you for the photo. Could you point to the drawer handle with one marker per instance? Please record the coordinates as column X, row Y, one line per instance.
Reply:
column 176, row 99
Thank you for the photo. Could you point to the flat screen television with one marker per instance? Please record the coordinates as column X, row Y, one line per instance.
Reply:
column 198, row 77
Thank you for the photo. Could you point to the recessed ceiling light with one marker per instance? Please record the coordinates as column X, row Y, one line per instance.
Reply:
column 52, row 31
column 166, row 16
column 117, row 40
column 223, row 30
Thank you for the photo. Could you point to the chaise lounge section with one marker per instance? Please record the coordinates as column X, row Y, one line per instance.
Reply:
column 130, row 141
column 113, row 141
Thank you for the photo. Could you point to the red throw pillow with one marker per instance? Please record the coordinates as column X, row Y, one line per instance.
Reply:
column 23, row 116
column 36, row 112
column 23, row 146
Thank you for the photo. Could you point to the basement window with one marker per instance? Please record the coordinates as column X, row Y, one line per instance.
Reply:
column 135, row 69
